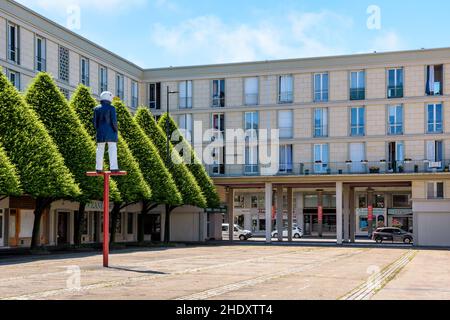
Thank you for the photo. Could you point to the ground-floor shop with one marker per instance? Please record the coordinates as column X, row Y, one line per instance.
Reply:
column 59, row 222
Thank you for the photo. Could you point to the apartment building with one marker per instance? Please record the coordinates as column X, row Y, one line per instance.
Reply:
column 364, row 139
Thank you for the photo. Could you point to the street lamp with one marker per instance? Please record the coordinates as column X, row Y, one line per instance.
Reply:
column 167, row 220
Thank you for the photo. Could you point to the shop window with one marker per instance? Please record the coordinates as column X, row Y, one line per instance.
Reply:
column 401, row 201
column 362, row 201
column 239, row 202
column 379, row 201
column 435, row 190
column 254, row 202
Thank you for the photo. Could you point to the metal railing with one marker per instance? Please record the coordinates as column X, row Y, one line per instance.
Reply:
column 14, row 54
column 218, row 102
column 321, row 96
column 357, row 94
column 320, row 131
column 286, row 97
column 41, row 64
column 395, row 92
column 334, row 168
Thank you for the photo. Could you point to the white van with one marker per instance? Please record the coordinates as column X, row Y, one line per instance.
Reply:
column 240, row 233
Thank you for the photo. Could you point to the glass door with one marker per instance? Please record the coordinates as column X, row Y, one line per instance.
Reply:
column 357, row 156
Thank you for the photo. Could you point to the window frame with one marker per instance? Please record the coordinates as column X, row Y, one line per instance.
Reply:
column 40, row 60
column 395, row 125
column 217, row 100
column 84, row 68
column 120, row 84
column 324, row 94
column 360, row 91
column 396, row 86
column 288, row 95
column 435, row 123
column 134, row 94
column 323, row 128
column 436, row 190
column 103, row 86
column 291, row 128
column 188, row 88
column 358, row 125
column 16, row 49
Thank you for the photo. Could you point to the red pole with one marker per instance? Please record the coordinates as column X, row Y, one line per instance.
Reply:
column 106, row 220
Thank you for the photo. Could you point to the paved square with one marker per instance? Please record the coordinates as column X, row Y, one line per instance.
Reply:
column 250, row 272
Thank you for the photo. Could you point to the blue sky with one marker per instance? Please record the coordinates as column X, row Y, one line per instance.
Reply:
column 161, row 33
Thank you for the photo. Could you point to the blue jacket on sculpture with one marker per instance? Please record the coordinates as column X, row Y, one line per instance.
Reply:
column 105, row 122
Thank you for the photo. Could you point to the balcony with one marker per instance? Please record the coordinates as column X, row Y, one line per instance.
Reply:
column 357, row 94
column 41, row 64
column 286, row 97
column 14, row 54
column 251, row 99
column 185, row 103
column 334, row 168
column 395, row 92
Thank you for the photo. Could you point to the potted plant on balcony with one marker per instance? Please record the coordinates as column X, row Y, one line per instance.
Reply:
column 374, row 170
column 416, row 168
column 306, row 172
column 401, row 169
column 349, row 162
column 446, row 169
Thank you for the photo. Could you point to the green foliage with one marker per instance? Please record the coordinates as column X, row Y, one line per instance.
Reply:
column 186, row 183
column 195, row 166
column 9, row 180
column 164, row 190
column 72, row 140
column 31, row 149
column 132, row 187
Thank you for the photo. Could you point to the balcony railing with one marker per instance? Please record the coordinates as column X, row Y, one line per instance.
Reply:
column 395, row 92
column 320, row 131
column 251, row 99
column 41, row 64
column 357, row 94
column 286, row 97
column 395, row 129
column 14, row 54
column 321, row 96
column 185, row 102
column 218, row 102
column 334, row 168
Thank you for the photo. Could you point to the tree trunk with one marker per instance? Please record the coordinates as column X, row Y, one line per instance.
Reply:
column 77, row 225
column 41, row 205
column 114, row 217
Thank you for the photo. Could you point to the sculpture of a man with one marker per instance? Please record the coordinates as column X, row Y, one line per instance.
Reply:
column 105, row 122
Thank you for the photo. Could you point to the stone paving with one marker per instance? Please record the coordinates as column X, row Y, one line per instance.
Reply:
column 239, row 272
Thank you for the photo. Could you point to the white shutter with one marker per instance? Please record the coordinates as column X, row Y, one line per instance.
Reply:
column 251, row 86
column 431, row 151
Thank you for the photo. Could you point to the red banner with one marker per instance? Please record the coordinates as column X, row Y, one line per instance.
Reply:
column 320, row 213
column 370, row 213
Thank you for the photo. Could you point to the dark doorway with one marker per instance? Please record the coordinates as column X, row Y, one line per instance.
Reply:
column 152, row 226
column 63, row 226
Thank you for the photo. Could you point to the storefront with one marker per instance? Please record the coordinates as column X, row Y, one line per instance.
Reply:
column 401, row 218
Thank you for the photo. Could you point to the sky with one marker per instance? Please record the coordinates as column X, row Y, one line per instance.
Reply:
column 163, row 33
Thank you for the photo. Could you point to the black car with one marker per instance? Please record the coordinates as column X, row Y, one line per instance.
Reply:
column 392, row 235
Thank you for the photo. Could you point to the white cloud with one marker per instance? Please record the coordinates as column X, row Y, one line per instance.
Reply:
column 208, row 39
column 109, row 6
column 388, row 41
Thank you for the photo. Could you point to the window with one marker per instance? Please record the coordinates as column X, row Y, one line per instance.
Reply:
column 185, row 94
column 65, row 92
column 401, row 201
column 435, row 76
column 84, row 66
column 14, row 78
column 357, row 121
column 251, row 88
column 134, row 95
column 41, row 54
column 434, row 118
column 63, row 64
column 13, row 43
column 185, row 122
column 357, row 155
column 154, row 96
column 286, row 159
column 321, row 87
column 130, row 223
column 395, row 120
column 218, row 93
column 435, row 190
column 285, row 89
column 218, row 125
column 395, row 83
column 357, row 85
column 285, row 124
column 103, row 79
column 251, row 147
column 120, row 86
column 321, row 158
column 396, row 153
column 435, row 154
column 321, row 122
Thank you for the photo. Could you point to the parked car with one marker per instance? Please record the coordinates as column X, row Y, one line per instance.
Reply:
column 240, row 233
column 393, row 235
column 296, row 233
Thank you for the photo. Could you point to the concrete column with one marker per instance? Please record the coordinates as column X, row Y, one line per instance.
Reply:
column 320, row 211
column 290, row 209
column 268, row 206
column 346, row 211
column 370, row 199
column 352, row 216
column 300, row 215
column 231, row 214
column 280, row 213
column 339, row 211
column 163, row 223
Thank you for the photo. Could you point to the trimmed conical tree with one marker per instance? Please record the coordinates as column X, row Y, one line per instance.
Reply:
column 164, row 189
column 9, row 180
column 72, row 139
column 30, row 148
column 133, row 187
column 195, row 166
column 186, row 183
